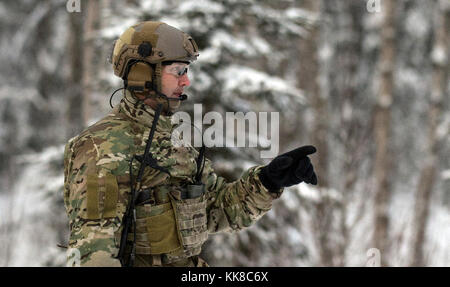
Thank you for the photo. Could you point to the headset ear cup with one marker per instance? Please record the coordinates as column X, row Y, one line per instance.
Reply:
column 140, row 72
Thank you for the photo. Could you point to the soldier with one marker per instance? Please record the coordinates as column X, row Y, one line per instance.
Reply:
column 132, row 198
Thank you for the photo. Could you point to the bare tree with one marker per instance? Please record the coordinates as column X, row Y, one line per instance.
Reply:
column 75, row 91
column 83, row 64
column 309, row 82
column 382, row 133
column 439, row 85
column 91, row 25
column 351, row 134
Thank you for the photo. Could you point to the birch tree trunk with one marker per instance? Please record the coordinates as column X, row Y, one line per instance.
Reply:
column 351, row 135
column 427, row 177
column 382, row 133
column 75, row 95
column 89, row 64
column 309, row 82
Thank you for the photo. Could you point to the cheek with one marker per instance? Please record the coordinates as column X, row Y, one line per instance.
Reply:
column 168, row 85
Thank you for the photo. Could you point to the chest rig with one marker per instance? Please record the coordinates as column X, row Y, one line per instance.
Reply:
column 169, row 221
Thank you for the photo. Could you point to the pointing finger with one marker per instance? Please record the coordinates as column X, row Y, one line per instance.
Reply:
column 301, row 152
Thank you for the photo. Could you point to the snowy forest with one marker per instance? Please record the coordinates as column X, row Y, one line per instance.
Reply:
column 364, row 81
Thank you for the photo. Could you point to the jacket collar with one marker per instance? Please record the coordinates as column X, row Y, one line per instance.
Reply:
column 136, row 110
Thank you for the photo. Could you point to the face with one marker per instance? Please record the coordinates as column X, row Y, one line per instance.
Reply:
column 173, row 79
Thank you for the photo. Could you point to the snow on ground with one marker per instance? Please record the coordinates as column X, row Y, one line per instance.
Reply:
column 437, row 249
column 31, row 211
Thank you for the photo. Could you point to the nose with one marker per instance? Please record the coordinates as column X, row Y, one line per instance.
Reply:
column 184, row 81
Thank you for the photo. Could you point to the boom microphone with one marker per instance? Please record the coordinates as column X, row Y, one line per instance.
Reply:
column 179, row 98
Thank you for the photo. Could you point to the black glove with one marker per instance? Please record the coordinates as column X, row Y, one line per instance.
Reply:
column 288, row 169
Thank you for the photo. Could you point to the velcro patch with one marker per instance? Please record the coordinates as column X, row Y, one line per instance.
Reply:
column 102, row 196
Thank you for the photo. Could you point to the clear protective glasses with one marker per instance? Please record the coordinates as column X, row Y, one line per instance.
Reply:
column 176, row 69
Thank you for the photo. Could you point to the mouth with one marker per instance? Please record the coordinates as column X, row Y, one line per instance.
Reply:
column 176, row 95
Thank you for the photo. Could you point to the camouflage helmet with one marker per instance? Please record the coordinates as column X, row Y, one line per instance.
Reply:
column 139, row 52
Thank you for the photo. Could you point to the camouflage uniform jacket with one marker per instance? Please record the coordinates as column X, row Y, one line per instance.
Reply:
column 97, row 182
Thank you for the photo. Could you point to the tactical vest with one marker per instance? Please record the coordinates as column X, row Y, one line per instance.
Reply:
column 167, row 222
column 171, row 222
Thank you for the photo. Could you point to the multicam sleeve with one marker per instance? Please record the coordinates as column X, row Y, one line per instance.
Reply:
column 92, row 239
column 236, row 205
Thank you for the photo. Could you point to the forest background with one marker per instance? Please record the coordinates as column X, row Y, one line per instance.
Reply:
column 365, row 81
